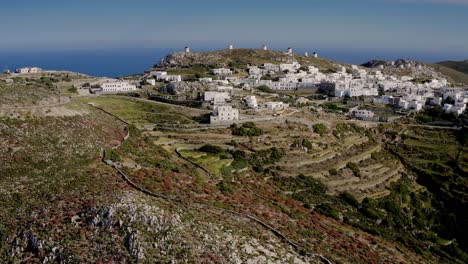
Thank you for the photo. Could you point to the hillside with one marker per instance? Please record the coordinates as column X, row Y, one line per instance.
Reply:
column 200, row 63
column 120, row 179
column 461, row 66
column 420, row 70
column 454, row 76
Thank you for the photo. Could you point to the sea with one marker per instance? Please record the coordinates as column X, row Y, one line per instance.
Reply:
column 128, row 61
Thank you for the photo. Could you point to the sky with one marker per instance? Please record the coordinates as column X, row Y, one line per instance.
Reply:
column 438, row 26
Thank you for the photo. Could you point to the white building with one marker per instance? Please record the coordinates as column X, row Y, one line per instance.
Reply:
column 341, row 69
column 302, row 101
column 292, row 67
column 28, row 70
column 221, row 82
column 416, row 105
column 363, row 114
column 222, row 71
column 169, row 78
column 151, row 81
column 22, row 70
column 275, row 106
column 285, row 86
column 157, row 73
column 448, row 108
column 403, row 104
column 216, row 97
column 384, row 99
column 206, row 80
column 224, row 114
column 281, row 85
column 251, row 101
column 271, row 67
column 254, row 70
column 436, row 101
column 223, row 88
column 34, row 70
column 117, row 87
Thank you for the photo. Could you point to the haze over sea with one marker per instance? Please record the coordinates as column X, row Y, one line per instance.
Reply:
column 126, row 61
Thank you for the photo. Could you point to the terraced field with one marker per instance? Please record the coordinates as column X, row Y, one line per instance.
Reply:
column 212, row 162
column 141, row 113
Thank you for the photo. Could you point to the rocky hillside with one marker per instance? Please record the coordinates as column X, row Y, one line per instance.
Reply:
column 419, row 70
column 201, row 62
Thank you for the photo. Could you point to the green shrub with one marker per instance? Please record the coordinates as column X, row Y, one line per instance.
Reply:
column 223, row 187
column 349, row 199
column 73, row 89
column 264, row 88
column 306, row 143
column 328, row 210
column 331, row 107
column 112, row 155
column 320, row 129
column 354, row 168
column 246, row 130
column 211, row 149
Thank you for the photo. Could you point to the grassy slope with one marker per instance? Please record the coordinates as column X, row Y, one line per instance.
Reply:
column 140, row 113
column 461, row 66
column 458, row 78
column 26, row 94
column 440, row 160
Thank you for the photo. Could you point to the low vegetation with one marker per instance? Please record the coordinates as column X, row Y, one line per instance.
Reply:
column 248, row 129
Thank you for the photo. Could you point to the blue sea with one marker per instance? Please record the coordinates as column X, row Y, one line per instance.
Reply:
column 121, row 62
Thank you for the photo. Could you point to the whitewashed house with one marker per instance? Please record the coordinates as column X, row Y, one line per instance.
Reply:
column 28, row 70
column 292, row 67
column 364, row 114
column 169, row 78
column 275, row 106
column 436, row 101
column 403, row 104
column 206, row 80
column 341, row 69
column 151, row 81
column 271, row 67
column 117, row 87
column 449, row 108
column 22, row 70
column 251, row 101
column 156, row 73
column 223, row 88
column 224, row 114
column 222, row 71
column 216, row 97
column 416, row 105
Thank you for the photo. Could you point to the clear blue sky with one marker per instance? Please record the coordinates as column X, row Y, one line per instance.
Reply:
column 409, row 25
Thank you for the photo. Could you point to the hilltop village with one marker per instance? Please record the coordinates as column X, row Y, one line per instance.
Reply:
column 229, row 91
column 235, row 156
